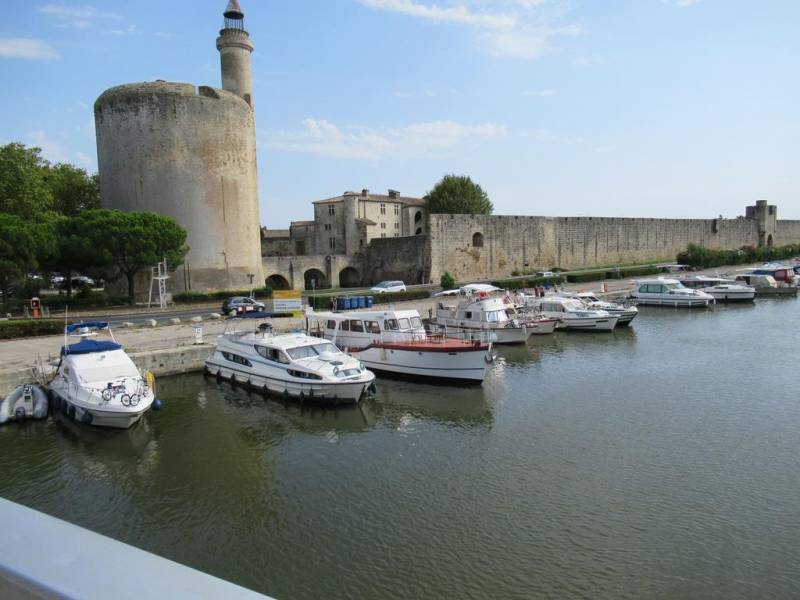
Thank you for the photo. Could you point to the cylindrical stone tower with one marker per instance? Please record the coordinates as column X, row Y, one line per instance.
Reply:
column 188, row 153
column 235, row 48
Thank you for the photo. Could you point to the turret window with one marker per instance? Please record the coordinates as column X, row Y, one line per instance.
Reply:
column 331, row 209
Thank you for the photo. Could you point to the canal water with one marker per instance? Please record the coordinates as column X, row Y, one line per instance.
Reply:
column 660, row 461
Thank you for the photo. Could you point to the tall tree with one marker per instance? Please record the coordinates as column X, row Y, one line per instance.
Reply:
column 72, row 249
column 456, row 194
column 21, row 241
column 134, row 241
column 73, row 189
column 23, row 186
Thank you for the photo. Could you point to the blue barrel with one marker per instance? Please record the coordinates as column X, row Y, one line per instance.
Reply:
column 339, row 303
column 369, row 302
column 345, row 303
column 362, row 302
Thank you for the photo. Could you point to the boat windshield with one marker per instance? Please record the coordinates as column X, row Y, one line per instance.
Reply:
column 311, row 351
column 674, row 286
column 496, row 316
column 573, row 305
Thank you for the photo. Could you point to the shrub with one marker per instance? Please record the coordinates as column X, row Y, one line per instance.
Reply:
column 29, row 328
column 86, row 299
column 704, row 258
column 448, row 282
column 584, row 277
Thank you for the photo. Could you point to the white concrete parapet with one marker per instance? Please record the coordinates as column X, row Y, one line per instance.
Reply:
column 45, row 557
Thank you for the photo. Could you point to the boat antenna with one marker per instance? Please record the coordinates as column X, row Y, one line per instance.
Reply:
column 66, row 323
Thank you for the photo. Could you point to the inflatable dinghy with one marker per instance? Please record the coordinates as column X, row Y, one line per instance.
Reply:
column 25, row 402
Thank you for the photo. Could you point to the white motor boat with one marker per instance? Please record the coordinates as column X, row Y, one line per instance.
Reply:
column 482, row 317
column 668, row 292
column 625, row 313
column 293, row 365
column 723, row 290
column 395, row 341
column 571, row 313
column 97, row 383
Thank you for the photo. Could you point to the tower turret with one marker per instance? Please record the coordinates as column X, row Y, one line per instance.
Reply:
column 235, row 48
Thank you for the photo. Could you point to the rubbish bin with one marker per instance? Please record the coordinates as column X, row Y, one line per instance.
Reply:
column 369, row 302
column 362, row 302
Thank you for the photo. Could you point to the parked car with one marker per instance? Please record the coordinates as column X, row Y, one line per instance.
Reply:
column 545, row 274
column 241, row 303
column 389, row 286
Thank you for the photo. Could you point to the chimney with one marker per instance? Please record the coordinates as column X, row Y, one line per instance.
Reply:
column 365, row 192
column 394, row 194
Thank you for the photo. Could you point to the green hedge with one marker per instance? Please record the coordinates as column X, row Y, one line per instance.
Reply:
column 704, row 258
column 29, row 328
column 190, row 297
column 518, row 284
column 627, row 272
column 91, row 300
column 584, row 277
column 324, row 302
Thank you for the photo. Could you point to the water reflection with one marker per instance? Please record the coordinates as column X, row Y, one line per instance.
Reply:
column 582, row 466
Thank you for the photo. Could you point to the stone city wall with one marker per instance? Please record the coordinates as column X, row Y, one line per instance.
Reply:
column 404, row 258
column 480, row 246
column 787, row 232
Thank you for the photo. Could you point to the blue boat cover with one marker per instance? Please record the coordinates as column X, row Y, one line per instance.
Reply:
column 89, row 325
column 89, row 346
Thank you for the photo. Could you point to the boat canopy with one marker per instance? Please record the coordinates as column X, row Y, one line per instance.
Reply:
column 89, row 347
column 88, row 325
column 255, row 314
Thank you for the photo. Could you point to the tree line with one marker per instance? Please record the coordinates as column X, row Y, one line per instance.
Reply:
column 51, row 220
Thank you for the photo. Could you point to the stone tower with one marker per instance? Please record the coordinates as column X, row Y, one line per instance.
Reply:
column 190, row 153
column 766, row 216
column 235, row 48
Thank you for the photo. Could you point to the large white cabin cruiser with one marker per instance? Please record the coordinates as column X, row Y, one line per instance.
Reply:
column 625, row 313
column 668, row 292
column 395, row 341
column 97, row 383
column 572, row 313
column 723, row 290
column 293, row 365
column 481, row 317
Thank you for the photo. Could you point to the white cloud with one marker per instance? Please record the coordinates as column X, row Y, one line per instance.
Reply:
column 453, row 14
column 430, row 139
column 79, row 17
column 539, row 93
column 51, row 149
column 515, row 28
column 685, row 3
column 584, row 62
column 26, row 48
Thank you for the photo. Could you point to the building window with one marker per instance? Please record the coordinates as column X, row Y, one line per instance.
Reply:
column 418, row 231
column 383, row 209
column 418, row 216
column 396, row 225
column 332, row 243
column 331, row 209
column 327, row 226
column 397, row 209
column 477, row 240
column 383, row 225
column 396, row 235
column 383, row 235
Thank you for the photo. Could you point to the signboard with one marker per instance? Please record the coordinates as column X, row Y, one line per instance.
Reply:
column 287, row 301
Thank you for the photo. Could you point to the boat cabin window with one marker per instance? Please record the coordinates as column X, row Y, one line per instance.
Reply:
column 272, row 354
column 496, row 316
column 371, row 327
column 311, row 351
column 652, row 288
column 468, row 314
column 390, row 324
column 239, row 360
column 416, row 322
column 404, row 324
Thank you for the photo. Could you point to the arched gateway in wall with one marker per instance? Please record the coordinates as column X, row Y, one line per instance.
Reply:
column 278, row 282
column 315, row 279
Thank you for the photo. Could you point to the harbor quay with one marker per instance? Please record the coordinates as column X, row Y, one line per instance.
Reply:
column 170, row 348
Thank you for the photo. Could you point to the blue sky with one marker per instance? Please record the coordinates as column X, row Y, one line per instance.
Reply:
column 670, row 108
